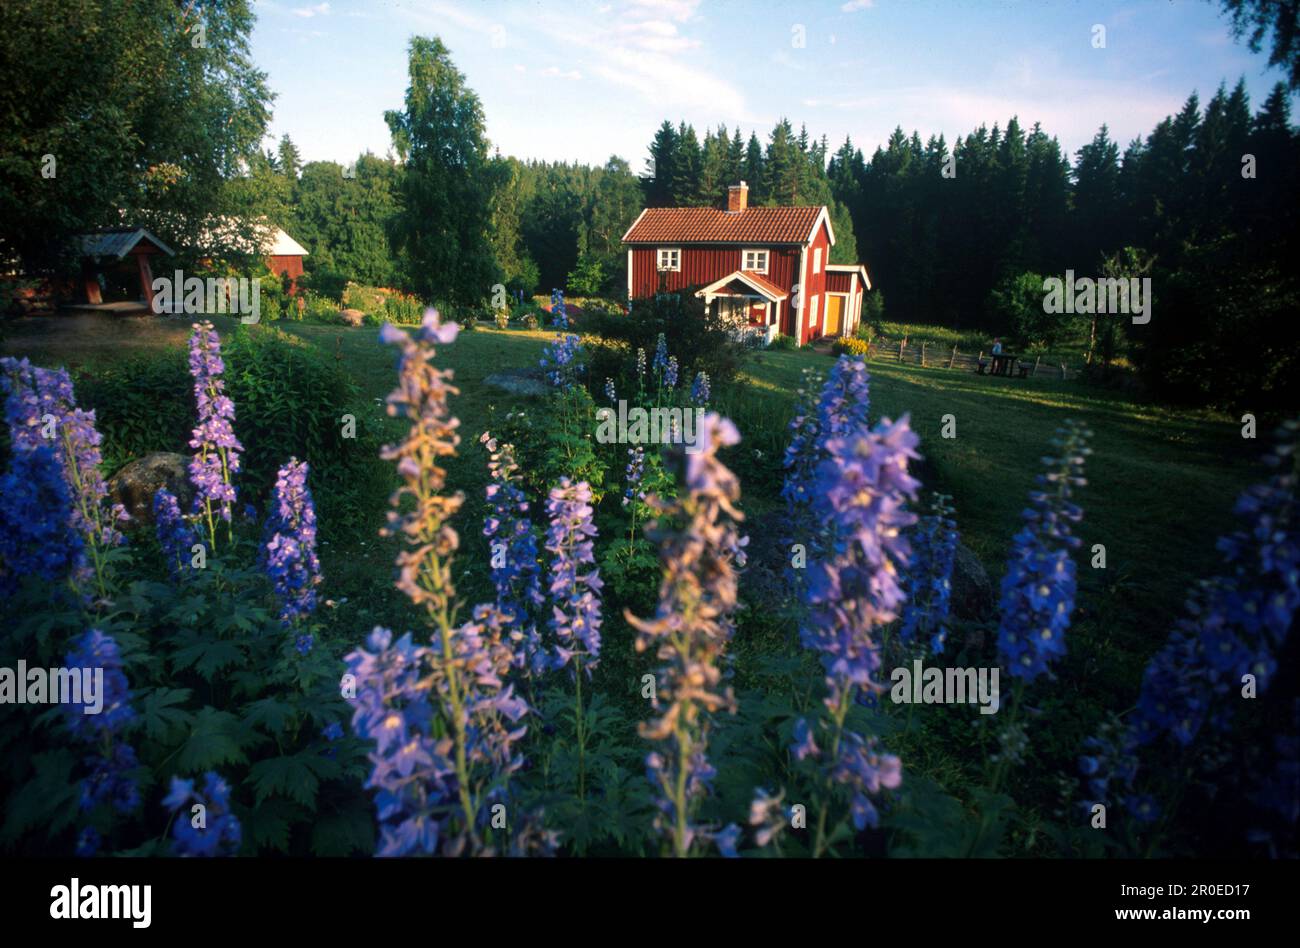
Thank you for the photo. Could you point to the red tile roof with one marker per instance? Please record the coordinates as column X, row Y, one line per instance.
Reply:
column 754, row 225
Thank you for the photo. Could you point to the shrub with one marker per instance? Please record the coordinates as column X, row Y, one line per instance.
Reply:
column 289, row 401
column 141, row 405
column 369, row 299
column 531, row 321
column 318, row 309
column 403, row 309
column 784, row 343
column 850, row 345
column 329, row 283
column 701, row 340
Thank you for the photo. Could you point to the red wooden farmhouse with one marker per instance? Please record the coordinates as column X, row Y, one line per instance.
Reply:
column 766, row 267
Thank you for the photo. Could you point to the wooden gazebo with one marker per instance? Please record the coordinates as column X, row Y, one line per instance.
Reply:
column 122, row 254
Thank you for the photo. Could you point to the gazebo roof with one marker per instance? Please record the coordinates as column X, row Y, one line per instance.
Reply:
column 117, row 242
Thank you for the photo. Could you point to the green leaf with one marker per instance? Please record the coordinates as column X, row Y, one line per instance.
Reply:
column 217, row 738
column 162, row 719
column 268, row 713
column 267, row 826
column 290, row 776
column 208, row 657
column 50, row 798
column 344, row 832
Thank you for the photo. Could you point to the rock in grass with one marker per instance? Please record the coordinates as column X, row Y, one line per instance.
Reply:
column 351, row 317
column 134, row 485
column 517, row 383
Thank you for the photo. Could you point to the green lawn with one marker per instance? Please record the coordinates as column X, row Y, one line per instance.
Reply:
column 1161, row 482
column 1161, row 488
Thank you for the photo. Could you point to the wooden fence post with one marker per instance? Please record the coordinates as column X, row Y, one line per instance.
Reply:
column 952, row 358
column 1062, row 371
column 1037, row 359
column 901, row 343
column 923, row 355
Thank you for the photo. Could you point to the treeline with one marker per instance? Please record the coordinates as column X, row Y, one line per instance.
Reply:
column 1205, row 205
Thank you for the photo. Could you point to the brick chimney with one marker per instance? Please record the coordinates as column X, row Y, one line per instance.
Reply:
column 737, row 197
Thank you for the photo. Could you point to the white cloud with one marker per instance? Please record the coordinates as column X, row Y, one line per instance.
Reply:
column 561, row 73
column 320, row 9
column 643, row 49
column 853, row 6
column 680, row 10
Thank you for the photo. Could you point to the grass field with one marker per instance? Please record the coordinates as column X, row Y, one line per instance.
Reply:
column 1161, row 481
column 1161, row 485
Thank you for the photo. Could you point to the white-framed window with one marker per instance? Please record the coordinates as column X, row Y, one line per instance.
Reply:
column 817, row 260
column 812, row 312
column 755, row 260
column 669, row 258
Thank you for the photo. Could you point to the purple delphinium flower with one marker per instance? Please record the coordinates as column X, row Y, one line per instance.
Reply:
column 690, row 629
column 661, row 355
column 415, row 769
column 845, row 400
column 112, row 763
column 560, row 360
column 97, row 650
column 861, row 492
column 175, row 534
column 442, row 717
column 217, row 450
column 929, row 578
column 36, row 534
column 41, row 412
column 92, row 516
column 559, row 313
column 803, row 454
column 212, row 831
column 575, row 582
column 1236, row 625
column 421, row 395
column 634, row 473
column 1039, row 587
column 515, row 571
column 640, row 363
column 670, row 372
column 88, row 842
column 37, row 401
column 700, row 389
column 290, row 551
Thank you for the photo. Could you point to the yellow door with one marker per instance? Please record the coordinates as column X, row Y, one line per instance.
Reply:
column 834, row 315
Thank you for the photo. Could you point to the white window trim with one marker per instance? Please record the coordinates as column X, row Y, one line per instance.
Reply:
column 767, row 259
column 817, row 260
column 812, row 311
column 659, row 259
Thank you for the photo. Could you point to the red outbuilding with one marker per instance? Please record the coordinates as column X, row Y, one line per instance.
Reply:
column 768, row 268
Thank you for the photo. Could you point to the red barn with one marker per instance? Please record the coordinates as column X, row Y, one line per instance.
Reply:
column 766, row 267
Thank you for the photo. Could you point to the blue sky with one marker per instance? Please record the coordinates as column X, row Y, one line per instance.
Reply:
column 584, row 79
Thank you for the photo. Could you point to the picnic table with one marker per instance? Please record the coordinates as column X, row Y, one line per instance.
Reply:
column 1004, row 364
